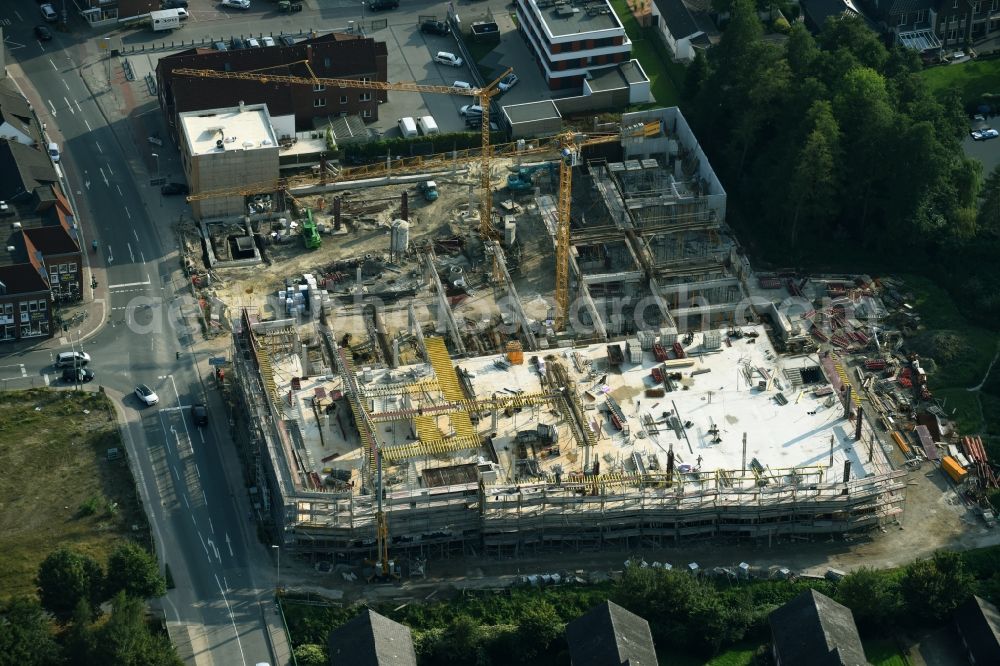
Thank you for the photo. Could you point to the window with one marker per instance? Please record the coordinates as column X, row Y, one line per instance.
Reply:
column 366, row 113
column 326, row 61
column 365, row 97
column 902, row 19
column 319, row 103
column 24, row 318
column 955, row 5
column 72, row 268
column 921, row 16
column 343, row 99
column 33, row 306
column 62, row 268
column 42, row 306
column 24, row 306
column 8, row 309
column 318, row 87
column 951, row 35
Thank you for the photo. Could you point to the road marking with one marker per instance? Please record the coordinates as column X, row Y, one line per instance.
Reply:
column 119, row 190
column 202, row 539
column 215, row 550
column 230, row 544
column 176, row 475
column 53, row 65
column 89, row 129
column 204, row 497
column 111, row 255
column 69, row 106
column 232, row 619
column 110, row 170
column 78, row 107
column 130, row 255
column 46, row 378
column 193, row 520
column 186, row 503
column 128, row 284
column 18, row 15
column 101, row 169
column 129, row 215
column 65, row 84
column 142, row 256
column 202, row 435
column 211, row 526
column 99, row 149
column 52, row 107
column 198, row 472
column 24, row 373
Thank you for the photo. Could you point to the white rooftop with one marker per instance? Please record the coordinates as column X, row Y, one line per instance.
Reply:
column 718, row 398
column 245, row 127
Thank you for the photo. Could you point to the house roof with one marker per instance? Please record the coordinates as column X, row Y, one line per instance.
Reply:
column 897, row 7
column 22, row 170
column 814, row 629
column 817, row 11
column 21, row 279
column 527, row 112
column 14, row 109
column 679, row 19
column 51, row 240
column 371, row 639
column 609, row 635
column 979, row 623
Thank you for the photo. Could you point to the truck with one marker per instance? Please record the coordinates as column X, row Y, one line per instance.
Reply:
column 429, row 189
column 165, row 19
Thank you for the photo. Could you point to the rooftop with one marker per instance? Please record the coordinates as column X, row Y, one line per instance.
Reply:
column 607, row 79
column 22, row 170
column 245, row 127
column 371, row 639
column 812, row 628
column 569, row 19
column 531, row 111
column 21, row 279
column 16, row 111
column 609, row 634
column 724, row 389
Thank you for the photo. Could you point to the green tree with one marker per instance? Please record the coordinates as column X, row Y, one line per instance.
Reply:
column 311, row 654
column 462, row 638
column 814, row 180
column 800, row 50
column 538, row 626
column 125, row 639
column 78, row 639
column 132, row 569
column 934, row 587
column 873, row 596
column 25, row 635
column 64, row 578
column 696, row 75
column 988, row 219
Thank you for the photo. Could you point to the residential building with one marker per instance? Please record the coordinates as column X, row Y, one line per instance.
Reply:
column 814, row 629
column 25, row 303
column 609, row 635
column 908, row 22
column 816, row 12
column 17, row 122
column 572, row 42
column 228, row 148
column 961, row 22
column 978, row 625
column 371, row 639
column 335, row 55
column 682, row 29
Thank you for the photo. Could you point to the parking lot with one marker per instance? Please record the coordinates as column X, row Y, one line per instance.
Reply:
column 411, row 52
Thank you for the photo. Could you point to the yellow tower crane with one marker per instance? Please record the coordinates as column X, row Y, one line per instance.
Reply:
column 484, row 94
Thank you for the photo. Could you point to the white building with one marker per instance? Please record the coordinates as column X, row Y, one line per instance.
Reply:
column 572, row 42
column 228, row 149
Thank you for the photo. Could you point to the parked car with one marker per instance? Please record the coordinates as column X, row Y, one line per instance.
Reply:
column 220, row 46
column 73, row 375
column 236, row 4
column 43, row 33
column 287, row 40
column 49, row 13
column 508, row 82
column 146, row 395
column 434, row 28
column 237, row 43
column 464, row 85
column 182, row 14
column 54, row 152
column 199, row 414
column 72, row 359
column 379, row 5
column 171, row 189
column 471, row 110
column 984, row 134
column 450, row 59
column 174, row 4
column 252, row 43
column 267, row 41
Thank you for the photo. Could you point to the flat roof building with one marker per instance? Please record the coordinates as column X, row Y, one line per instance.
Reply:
column 227, row 148
column 571, row 41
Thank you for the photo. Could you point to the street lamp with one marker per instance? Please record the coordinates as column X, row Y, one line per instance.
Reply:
column 277, row 582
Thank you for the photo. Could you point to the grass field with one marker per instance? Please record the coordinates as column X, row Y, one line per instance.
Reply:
column 665, row 76
column 973, row 77
column 884, row 653
column 57, row 487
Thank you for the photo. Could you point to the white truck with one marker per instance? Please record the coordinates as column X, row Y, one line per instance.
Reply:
column 166, row 19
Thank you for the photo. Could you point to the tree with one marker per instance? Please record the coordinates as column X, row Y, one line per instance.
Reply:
column 462, row 638
column 125, row 639
column 933, row 588
column 988, row 219
column 800, row 50
column 79, row 639
column 132, row 569
column 311, row 654
column 696, row 75
column 538, row 625
column 65, row 578
column 873, row 596
column 814, row 180
column 26, row 635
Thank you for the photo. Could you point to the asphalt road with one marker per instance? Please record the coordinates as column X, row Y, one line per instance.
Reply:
column 185, row 472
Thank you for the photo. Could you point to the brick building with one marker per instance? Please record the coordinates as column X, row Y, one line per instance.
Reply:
column 572, row 42
column 336, row 55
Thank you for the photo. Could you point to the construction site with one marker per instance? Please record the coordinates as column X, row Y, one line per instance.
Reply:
column 581, row 358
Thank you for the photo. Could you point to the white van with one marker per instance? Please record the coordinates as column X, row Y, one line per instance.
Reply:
column 166, row 19
column 428, row 125
column 407, row 127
